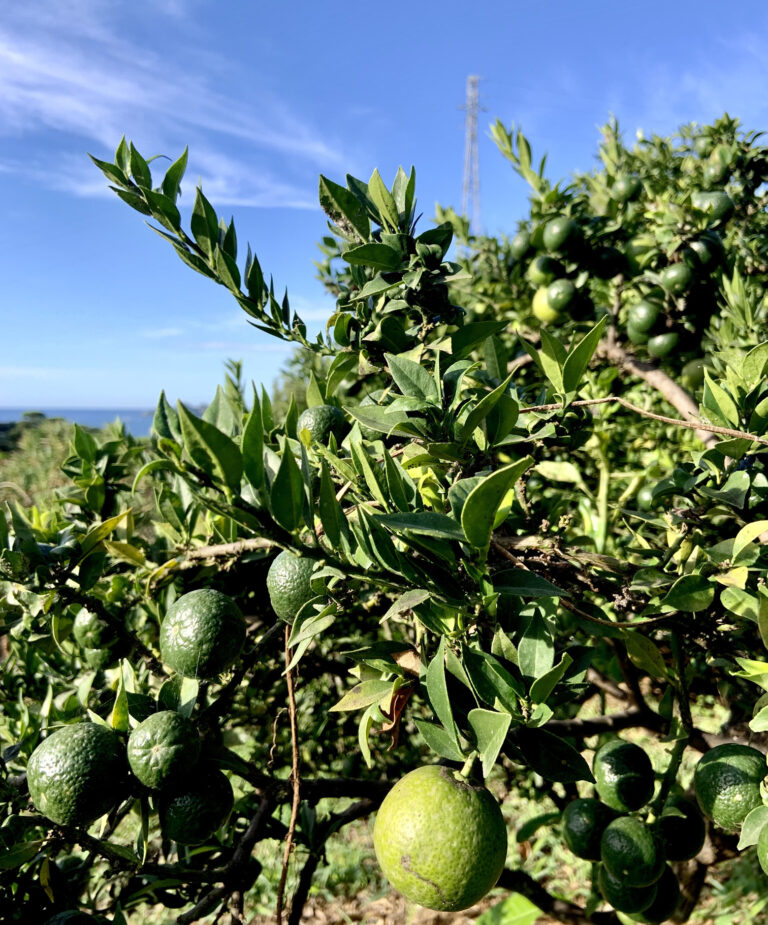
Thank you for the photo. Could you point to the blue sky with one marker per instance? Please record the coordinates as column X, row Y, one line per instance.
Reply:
column 97, row 311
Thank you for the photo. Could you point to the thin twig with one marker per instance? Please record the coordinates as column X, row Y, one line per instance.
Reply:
column 616, row 399
column 295, row 780
column 222, row 550
column 568, row 605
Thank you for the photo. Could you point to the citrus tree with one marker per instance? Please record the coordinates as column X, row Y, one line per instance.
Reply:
column 502, row 553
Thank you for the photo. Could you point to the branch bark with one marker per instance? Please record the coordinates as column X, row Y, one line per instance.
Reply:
column 680, row 400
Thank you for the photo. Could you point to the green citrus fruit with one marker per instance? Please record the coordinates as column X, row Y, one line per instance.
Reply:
column 90, row 631
column 716, row 203
column 692, row 374
column 621, row 896
column 762, row 848
column 289, row 584
column 683, row 835
column 664, row 902
column 542, row 270
column 706, row 251
column 702, row 145
column 625, row 189
column 163, row 748
column 632, row 852
column 584, row 822
column 520, row 244
column 440, row 840
column 714, row 173
column 676, row 278
column 559, row 232
column 77, row 774
column 321, row 421
column 560, row 294
column 662, row 345
column 192, row 812
column 644, row 497
column 541, row 307
column 727, row 783
column 202, row 634
column 624, row 776
column 636, row 337
column 643, row 315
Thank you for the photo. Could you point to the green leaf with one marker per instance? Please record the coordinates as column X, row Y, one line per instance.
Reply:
column 514, row 909
column 423, row 523
column 363, row 695
column 752, row 826
column 552, row 757
column 552, row 358
column 479, row 511
column 376, row 256
column 287, row 492
column 315, row 395
column 437, row 690
column 718, row 402
column 252, row 445
column 464, row 341
column 535, row 650
column 204, row 223
column 384, row 421
column 543, row 686
column 329, row 509
column 490, row 730
column 211, row 450
column 100, row 532
column 759, row 722
column 525, row 584
column 691, row 593
column 406, row 602
column 173, row 176
column 400, row 486
column 384, row 202
column 745, row 536
column 341, row 205
column 411, row 378
column 744, row 604
column 481, row 411
column 165, row 422
column 645, row 655
column 579, row 356
column 15, row 857
column 491, row 681
column 439, row 741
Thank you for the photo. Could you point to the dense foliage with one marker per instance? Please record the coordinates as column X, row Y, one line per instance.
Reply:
column 529, row 502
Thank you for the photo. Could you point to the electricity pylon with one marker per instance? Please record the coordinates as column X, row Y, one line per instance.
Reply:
column 470, row 200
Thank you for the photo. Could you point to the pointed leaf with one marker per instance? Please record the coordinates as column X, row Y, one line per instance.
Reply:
column 479, row 511
column 211, row 450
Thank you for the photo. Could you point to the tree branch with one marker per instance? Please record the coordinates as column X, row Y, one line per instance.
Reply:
column 517, row 881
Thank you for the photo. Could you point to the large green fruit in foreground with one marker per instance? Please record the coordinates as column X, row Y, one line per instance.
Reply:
column 440, row 840
column 643, row 315
column 727, row 783
column 716, row 203
column 193, row 812
column 78, row 773
column 584, row 822
column 163, row 748
column 632, row 852
column 321, row 421
column 662, row 345
column 520, row 244
column 542, row 270
column 289, row 584
column 623, row 775
column 541, row 307
column 202, row 634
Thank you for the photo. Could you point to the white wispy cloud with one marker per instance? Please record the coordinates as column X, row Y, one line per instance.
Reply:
column 67, row 67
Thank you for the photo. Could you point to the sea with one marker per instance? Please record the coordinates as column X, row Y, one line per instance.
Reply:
column 137, row 421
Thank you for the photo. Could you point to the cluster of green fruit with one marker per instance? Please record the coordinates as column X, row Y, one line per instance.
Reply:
column 559, row 238
column 632, row 851
column 633, row 874
column 81, row 771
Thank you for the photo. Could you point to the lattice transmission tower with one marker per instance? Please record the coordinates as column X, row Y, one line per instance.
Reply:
column 470, row 199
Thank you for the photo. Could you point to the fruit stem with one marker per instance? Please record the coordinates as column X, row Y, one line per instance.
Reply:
column 468, row 770
column 670, row 775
